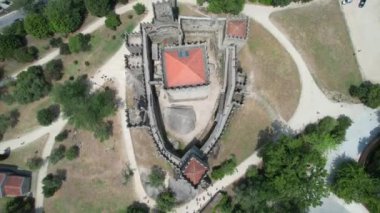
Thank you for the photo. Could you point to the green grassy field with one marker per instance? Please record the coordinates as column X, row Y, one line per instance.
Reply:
column 320, row 33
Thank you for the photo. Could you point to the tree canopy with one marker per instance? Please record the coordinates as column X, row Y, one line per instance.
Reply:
column 8, row 120
column 79, row 43
column 65, row 16
column 25, row 54
column 139, row 8
column 8, row 44
column 226, row 168
column 51, row 184
column 165, row 201
column 53, row 70
column 72, row 152
column 84, row 109
column 46, row 116
column 368, row 93
column 20, row 205
column 156, row 176
column 112, row 21
column 31, row 85
column 137, row 207
column 37, row 25
column 16, row 28
column 293, row 176
column 352, row 183
column 223, row 6
column 99, row 7
column 57, row 154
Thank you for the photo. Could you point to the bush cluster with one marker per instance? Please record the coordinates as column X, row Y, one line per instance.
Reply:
column 368, row 93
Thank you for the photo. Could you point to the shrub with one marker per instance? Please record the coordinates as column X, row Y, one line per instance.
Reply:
column 156, row 176
column 123, row 1
column 7, row 120
column 31, row 85
column 226, row 168
column 46, row 116
column 137, row 207
column 221, row 6
column 25, row 54
column 98, row 7
column 34, row 163
column 51, row 184
column 64, row 49
column 87, row 63
column 53, row 70
column 62, row 136
column 56, row 42
column 139, row 8
column 72, row 152
column 37, row 25
column 112, row 21
column 79, row 43
column 57, row 154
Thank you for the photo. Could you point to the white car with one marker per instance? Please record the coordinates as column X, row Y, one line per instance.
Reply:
column 346, row 2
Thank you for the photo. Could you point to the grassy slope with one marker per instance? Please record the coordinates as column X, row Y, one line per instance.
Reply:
column 320, row 33
column 274, row 72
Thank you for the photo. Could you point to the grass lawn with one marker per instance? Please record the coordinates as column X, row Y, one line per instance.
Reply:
column 320, row 33
column 94, row 180
column 240, row 137
column 146, row 152
column 274, row 72
column 104, row 43
column 28, row 116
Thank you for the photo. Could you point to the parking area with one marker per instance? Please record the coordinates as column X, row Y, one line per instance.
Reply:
column 364, row 28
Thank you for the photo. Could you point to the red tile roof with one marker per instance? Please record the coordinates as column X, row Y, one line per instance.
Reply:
column 194, row 171
column 237, row 28
column 13, row 185
column 184, row 67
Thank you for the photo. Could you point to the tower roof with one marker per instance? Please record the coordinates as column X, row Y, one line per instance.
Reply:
column 237, row 28
column 184, row 66
column 194, row 170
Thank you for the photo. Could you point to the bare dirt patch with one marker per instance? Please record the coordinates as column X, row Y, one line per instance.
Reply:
column 94, row 180
column 274, row 72
column 319, row 32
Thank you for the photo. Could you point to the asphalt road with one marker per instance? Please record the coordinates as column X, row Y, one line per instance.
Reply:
column 9, row 18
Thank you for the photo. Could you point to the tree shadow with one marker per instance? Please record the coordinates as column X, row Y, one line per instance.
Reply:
column 363, row 142
column 274, row 132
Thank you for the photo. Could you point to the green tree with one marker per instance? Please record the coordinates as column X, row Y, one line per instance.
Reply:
column 226, row 168
column 112, row 20
column 165, row 201
column 53, row 70
column 72, row 152
column 9, row 43
column 37, row 25
column 57, row 154
column 123, row 1
column 34, row 163
column 85, row 110
column 222, row 6
column 137, row 207
column 16, row 28
column 200, row 2
column 46, row 116
column 99, row 7
column 65, row 16
column 139, row 8
column 64, row 49
column 224, row 205
column 368, row 93
column 281, row 3
column 20, row 205
column 62, row 136
column 31, row 85
column 25, row 54
column 352, row 183
column 79, row 43
column 51, row 184
column 56, row 42
column 156, row 176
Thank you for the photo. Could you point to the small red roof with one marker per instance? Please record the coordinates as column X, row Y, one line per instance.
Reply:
column 13, row 185
column 237, row 28
column 184, row 66
column 194, row 171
